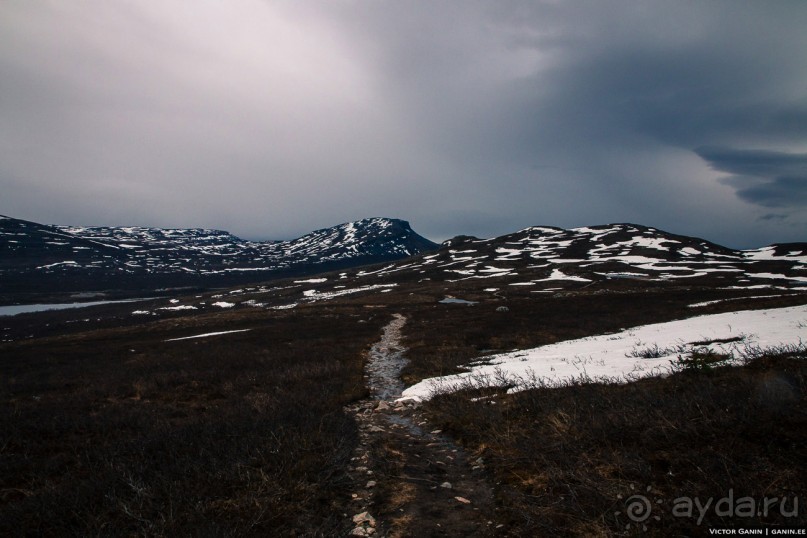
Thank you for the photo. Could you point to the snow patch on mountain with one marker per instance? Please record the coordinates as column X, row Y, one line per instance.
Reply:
column 597, row 253
column 90, row 254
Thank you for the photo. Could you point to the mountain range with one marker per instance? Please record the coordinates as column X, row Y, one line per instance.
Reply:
column 39, row 257
column 36, row 258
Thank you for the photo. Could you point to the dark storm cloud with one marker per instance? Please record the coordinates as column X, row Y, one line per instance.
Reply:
column 766, row 178
column 780, row 192
column 757, row 163
column 272, row 118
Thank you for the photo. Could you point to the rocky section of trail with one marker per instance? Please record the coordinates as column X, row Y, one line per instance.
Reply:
column 409, row 478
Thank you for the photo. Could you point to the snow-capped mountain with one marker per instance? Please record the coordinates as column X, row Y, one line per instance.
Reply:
column 548, row 258
column 42, row 257
column 537, row 263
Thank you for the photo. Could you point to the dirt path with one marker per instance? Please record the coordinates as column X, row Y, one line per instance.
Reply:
column 411, row 479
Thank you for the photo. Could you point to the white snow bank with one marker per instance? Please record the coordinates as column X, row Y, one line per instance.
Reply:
column 207, row 334
column 314, row 295
column 283, row 307
column 609, row 357
column 716, row 301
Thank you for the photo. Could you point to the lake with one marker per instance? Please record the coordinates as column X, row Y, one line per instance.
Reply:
column 13, row 310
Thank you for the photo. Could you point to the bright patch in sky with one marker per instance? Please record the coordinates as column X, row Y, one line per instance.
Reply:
column 272, row 119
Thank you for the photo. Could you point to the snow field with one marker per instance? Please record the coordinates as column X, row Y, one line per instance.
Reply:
column 617, row 357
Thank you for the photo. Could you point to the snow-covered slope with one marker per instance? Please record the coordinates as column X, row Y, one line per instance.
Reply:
column 548, row 258
column 535, row 260
column 630, row 354
column 546, row 262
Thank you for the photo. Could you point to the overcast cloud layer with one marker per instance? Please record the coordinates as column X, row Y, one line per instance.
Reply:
column 271, row 119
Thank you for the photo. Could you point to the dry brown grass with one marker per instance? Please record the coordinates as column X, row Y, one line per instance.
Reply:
column 564, row 457
column 113, row 431
column 117, row 432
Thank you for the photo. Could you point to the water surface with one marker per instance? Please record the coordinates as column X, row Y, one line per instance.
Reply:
column 13, row 310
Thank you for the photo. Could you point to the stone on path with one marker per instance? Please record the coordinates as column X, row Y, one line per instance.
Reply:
column 364, row 517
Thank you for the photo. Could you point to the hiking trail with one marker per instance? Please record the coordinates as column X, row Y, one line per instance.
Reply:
column 411, row 479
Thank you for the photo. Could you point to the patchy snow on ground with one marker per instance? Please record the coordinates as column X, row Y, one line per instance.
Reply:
column 613, row 357
column 69, row 262
column 283, row 307
column 223, row 304
column 744, row 297
column 314, row 295
column 207, row 334
column 454, row 300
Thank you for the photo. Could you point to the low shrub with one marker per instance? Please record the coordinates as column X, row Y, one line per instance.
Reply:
column 122, row 433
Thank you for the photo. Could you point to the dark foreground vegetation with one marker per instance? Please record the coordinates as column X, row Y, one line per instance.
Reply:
column 582, row 459
column 120, row 433
column 107, row 429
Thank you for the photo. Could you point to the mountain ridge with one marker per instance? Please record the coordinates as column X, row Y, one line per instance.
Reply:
column 545, row 259
column 38, row 257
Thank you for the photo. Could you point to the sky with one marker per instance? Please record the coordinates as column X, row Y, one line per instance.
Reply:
column 274, row 118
